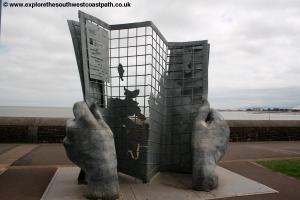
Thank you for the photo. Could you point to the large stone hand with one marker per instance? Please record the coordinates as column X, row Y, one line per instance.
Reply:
column 209, row 142
column 89, row 143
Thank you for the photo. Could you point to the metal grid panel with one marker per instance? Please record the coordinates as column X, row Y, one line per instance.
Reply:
column 142, row 54
column 186, row 88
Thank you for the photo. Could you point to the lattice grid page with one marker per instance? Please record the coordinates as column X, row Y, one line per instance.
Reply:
column 142, row 55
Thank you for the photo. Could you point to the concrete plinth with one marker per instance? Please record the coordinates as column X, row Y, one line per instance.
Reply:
column 164, row 186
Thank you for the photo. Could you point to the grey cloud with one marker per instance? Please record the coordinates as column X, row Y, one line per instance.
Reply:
column 287, row 97
column 254, row 45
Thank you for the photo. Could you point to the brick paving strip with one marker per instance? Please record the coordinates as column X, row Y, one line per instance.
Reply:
column 25, row 184
column 22, row 182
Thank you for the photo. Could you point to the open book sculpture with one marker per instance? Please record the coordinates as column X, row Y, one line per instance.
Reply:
column 145, row 107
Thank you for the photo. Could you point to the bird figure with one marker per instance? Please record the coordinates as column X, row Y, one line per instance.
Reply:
column 131, row 94
column 121, row 71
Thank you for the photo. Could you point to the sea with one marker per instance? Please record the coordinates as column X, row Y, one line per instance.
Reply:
column 66, row 112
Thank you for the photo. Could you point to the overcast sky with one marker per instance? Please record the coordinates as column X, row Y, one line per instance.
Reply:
column 254, row 56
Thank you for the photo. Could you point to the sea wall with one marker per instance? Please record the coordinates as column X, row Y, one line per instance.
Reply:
column 52, row 130
column 264, row 130
column 32, row 129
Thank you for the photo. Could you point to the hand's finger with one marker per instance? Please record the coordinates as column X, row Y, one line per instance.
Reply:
column 200, row 121
column 96, row 111
column 203, row 111
column 98, row 116
column 215, row 117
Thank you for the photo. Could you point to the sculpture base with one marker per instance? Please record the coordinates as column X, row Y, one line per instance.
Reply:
column 163, row 187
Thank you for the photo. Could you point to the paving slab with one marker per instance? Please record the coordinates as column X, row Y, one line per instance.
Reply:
column 164, row 186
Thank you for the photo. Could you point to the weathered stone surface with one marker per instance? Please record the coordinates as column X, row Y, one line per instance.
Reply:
column 209, row 143
column 89, row 144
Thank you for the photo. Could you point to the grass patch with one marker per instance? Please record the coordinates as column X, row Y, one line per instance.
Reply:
column 288, row 167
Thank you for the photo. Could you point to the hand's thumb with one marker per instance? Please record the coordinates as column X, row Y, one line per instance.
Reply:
column 83, row 115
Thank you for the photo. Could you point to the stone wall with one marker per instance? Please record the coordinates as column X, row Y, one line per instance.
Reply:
column 264, row 130
column 32, row 129
column 52, row 130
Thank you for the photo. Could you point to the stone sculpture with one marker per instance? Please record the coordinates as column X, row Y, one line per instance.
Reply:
column 155, row 103
column 89, row 144
column 209, row 143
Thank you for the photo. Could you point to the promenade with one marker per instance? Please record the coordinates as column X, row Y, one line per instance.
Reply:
column 27, row 169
